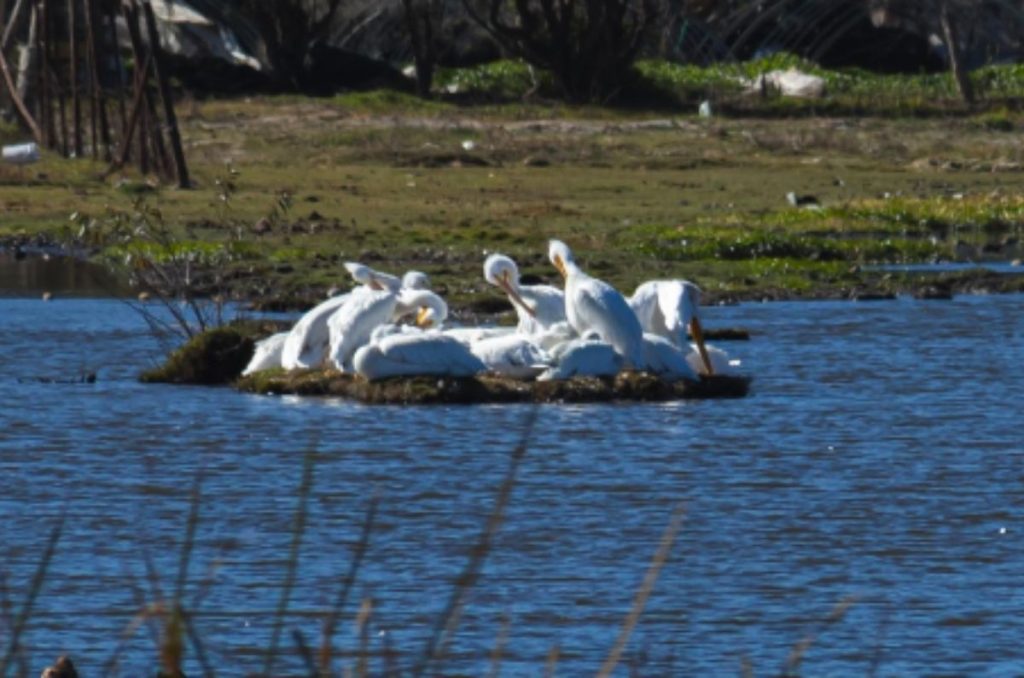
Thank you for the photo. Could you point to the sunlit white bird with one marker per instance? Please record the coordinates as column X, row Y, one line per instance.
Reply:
column 537, row 306
column 411, row 353
column 511, row 355
column 267, row 354
column 352, row 325
column 309, row 341
column 583, row 357
column 592, row 305
column 669, row 308
column 664, row 360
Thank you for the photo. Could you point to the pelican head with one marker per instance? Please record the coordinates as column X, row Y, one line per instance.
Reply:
column 430, row 309
column 561, row 256
column 415, row 280
column 691, row 319
column 502, row 272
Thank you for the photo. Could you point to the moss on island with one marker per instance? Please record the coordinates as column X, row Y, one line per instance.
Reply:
column 422, row 390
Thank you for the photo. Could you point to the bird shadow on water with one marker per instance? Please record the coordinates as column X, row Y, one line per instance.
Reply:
column 171, row 620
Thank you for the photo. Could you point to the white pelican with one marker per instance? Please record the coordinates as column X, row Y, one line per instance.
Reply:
column 470, row 335
column 511, row 355
column 592, row 305
column 309, row 341
column 583, row 358
column 411, row 353
column 267, row 354
column 352, row 325
column 537, row 306
column 669, row 308
column 663, row 359
column 553, row 336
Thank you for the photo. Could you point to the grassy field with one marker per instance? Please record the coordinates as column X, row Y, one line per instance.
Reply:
column 287, row 188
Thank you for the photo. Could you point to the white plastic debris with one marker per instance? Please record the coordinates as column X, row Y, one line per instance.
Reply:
column 704, row 110
column 468, row 145
column 789, row 83
column 21, row 154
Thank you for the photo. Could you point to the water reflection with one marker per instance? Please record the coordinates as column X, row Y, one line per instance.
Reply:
column 33, row 274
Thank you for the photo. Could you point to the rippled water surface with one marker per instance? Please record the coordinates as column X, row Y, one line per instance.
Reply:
column 878, row 459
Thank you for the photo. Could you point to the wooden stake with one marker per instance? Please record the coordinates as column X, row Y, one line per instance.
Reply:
column 76, row 104
column 23, row 111
column 150, row 122
column 45, row 100
column 165, row 96
column 133, row 118
column 110, row 24
column 98, row 103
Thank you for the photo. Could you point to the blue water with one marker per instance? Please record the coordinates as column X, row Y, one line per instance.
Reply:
column 878, row 461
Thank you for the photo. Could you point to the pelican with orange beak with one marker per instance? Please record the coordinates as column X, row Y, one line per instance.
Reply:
column 669, row 309
column 537, row 306
column 594, row 306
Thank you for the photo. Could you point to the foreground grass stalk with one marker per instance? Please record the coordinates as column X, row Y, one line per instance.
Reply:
column 448, row 622
column 326, row 649
column 644, row 592
column 33, row 592
column 293, row 560
column 791, row 668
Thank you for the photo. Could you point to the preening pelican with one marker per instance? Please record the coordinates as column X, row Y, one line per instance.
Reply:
column 411, row 353
column 592, row 305
column 310, row 339
column 537, row 306
column 669, row 308
column 352, row 325
column 511, row 355
column 267, row 354
column 583, row 358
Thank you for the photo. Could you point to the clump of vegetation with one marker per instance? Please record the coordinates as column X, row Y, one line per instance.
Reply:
column 216, row 356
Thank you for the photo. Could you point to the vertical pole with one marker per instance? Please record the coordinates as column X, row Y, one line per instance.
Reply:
column 98, row 107
column 150, row 121
column 165, row 96
column 45, row 103
column 73, row 50
column 110, row 26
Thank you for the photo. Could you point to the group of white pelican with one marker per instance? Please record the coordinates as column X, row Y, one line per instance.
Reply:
column 587, row 329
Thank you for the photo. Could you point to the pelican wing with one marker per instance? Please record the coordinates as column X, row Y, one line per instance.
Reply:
column 512, row 355
column 351, row 325
column 308, row 341
column 547, row 302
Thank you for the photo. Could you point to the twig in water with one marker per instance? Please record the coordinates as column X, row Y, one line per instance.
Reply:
column 552, row 662
column 644, row 592
column 33, row 592
column 293, row 560
column 796, row 655
column 449, row 619
column 305, row 653
column 363, row 626
column 499, row 648
column 339, row 605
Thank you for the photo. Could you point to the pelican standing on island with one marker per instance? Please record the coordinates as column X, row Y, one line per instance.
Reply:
column 669, row 309
column 594, row 306
column 537, row 306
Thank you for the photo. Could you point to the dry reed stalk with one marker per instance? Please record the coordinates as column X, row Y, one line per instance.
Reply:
column 301, row 513
column 346, row 586
column 796, row 655
column 448, row 622
column 21, row 621
column 644, row 592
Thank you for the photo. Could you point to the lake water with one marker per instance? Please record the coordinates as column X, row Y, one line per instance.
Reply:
column 879, row 459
